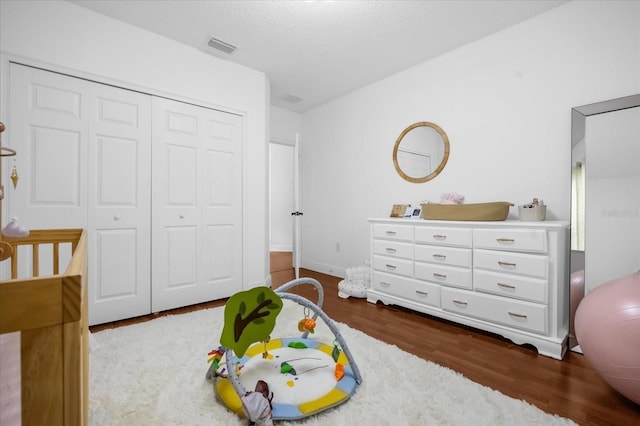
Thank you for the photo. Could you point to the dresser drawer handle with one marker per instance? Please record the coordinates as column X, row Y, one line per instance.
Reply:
column 516, row 315
column 503, row 285
column 390, row 250
column 422, row 293
column 440, row 256
column 506, row 264
column 439, row 237
column 390, row 266
column 505, row 240
column 385, row 284
column 440, row 276
column 460, row 302
column 391, row 232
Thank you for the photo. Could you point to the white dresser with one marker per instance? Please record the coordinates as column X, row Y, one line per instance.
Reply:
column 510, row 277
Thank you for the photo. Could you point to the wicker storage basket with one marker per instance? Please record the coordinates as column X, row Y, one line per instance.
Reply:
column 479, row 212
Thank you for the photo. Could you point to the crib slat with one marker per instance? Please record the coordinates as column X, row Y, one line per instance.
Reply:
column 56, row 258
column 35, row 249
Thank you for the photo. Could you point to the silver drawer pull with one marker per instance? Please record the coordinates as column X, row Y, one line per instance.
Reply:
column 390, row 250
column 503, row 285
column 385, row 284
column 505, row 240
column 390, row 266
column 391, row 232
column 460, row 302
column 440, row 256
column 422, row 293
column 439, row 237
column 516, row 315
column 506, row 264
column 441, row 276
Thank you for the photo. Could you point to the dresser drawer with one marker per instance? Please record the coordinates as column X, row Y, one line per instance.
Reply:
column 392, row 231
column 518, row 287
column 513, row 313
column 459, row 237
column 513, row 263
column 415, row 291
column 393, row 265
column 393, row 248
column 442, row 255
column 533, row 240
column 442, row 274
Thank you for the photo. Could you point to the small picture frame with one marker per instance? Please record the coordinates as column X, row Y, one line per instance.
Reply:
column 416, row 213
column 399, row 210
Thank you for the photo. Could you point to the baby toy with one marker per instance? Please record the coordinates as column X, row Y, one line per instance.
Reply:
column 306, row 323
column 293, row 377
column 451, row 198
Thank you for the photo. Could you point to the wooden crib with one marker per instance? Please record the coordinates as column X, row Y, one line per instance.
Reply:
column 50, row 315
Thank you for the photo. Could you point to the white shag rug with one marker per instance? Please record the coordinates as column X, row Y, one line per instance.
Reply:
column 153, row 373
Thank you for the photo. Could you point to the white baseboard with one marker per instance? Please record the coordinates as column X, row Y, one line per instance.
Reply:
column 324, row 269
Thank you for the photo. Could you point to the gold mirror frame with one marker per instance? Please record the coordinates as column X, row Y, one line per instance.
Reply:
column 438, row 169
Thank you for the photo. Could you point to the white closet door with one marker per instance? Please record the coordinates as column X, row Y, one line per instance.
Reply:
column 197, row 204
column 48, row 127
column 119, row 203
column 84, row 154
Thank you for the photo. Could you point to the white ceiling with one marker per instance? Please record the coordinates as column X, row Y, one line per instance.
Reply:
column 320, row 50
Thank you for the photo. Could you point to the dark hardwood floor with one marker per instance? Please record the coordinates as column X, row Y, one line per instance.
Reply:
column 569, row 388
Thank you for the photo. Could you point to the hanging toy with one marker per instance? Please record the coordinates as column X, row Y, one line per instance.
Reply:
column 306, row 323
column 265, row 354
column 335, row 353
column 14, row 177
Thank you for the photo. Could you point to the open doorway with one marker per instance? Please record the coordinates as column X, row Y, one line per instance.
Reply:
column 282, row 187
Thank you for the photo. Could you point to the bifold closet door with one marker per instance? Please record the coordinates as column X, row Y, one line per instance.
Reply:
column 84, row 160
column 197, row 204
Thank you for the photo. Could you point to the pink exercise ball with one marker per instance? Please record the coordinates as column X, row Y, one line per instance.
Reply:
column 607, row 326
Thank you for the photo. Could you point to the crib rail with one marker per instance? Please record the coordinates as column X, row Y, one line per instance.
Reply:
column 50, row 312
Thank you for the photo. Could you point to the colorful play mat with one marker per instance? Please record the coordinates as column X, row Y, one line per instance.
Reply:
column 304, row 376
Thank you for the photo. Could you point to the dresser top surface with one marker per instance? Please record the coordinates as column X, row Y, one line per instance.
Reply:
column 546, row 224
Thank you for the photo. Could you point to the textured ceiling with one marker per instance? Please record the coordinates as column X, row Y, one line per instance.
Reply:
column 320, row 50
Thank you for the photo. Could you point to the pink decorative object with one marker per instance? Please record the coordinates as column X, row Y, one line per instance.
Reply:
column 607, row 327
column 577, row 293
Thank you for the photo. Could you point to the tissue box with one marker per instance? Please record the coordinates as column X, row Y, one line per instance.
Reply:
column 532, row 214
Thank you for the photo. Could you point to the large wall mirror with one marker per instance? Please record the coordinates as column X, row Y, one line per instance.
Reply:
column 605, row 209
column 421, row 152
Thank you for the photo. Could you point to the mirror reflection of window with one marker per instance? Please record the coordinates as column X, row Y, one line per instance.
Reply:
column 577, row 206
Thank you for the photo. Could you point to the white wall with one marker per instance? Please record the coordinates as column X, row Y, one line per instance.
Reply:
column 504, row 101
column 64, row 37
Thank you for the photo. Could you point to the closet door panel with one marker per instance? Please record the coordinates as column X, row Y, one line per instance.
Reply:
column 48, row 130
column 119, row 201
column 197, row 204
column 222, row 210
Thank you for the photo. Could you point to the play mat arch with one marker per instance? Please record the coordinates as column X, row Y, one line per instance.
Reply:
column 282, row 378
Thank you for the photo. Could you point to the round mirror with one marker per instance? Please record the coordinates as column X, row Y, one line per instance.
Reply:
column 421, row 152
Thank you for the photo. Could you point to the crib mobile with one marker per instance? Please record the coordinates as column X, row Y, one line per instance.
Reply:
column 263, row 378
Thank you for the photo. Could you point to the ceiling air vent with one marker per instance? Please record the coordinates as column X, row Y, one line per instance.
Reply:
column 221, row 45
column 290, row 97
